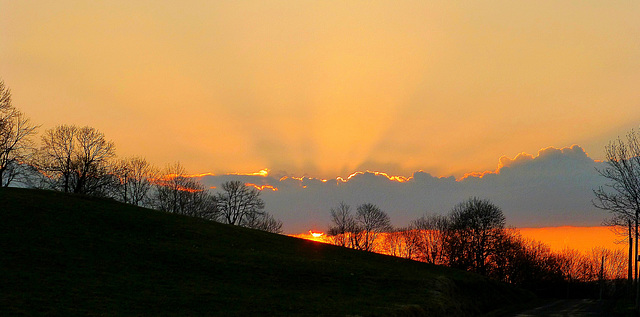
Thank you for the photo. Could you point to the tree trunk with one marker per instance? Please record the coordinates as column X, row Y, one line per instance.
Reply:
column 630, row 268
column 601, row 277
column 635, row 260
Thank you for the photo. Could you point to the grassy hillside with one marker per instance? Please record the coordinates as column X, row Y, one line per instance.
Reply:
column 69, row 255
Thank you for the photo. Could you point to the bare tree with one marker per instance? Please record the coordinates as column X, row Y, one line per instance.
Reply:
column 621, row 195
column 370, row 221
column 169, row 188
column 134, row 181
column 201, row 203
column 342, row 225
column 597, row 264
column 612, row 262
column 358, row 231
column 5, row 96
column 524, row 262
column 623, row 225
column 93, row 158
column 428, row 234
column 57, row 155
column 77, row 159
column 399, row 242
column 177, row 193
column 475, row 228
column 238, row 203
column 264, row 222
column 16, row 146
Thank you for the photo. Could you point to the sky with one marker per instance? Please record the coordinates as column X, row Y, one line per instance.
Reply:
column 324, row 89
column 558, row 239
column 551, row 188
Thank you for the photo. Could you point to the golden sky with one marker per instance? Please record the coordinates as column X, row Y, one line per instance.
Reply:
column 583, row 239
column 326, row 88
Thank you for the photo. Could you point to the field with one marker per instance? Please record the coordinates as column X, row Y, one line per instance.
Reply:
column 68, row 255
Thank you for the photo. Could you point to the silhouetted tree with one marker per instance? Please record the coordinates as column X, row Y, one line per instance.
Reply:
column 399, row 242
column 342, row 225
column 370, row 221
column 264, row 222
column 621, row 195
column 15, row 138
column 623, row 225
column 526, row 263
column 475, row 228
column 134, row 181
column 57, row 156
column 598, row 263
column 428, row 234
column 614, row 263
column 177, row 193
column 358, row 231
column 77, row 160
column 238, row 203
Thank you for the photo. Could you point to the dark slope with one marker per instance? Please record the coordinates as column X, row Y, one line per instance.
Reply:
column 67, row 255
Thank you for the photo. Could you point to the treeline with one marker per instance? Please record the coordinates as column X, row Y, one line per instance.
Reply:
column 81, row 160
column 474, row 237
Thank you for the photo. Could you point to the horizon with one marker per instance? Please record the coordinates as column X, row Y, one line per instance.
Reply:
column 557, row 239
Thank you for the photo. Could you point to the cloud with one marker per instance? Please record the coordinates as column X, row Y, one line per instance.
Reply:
column 547, row 160
column 519, row 159
column 552, row 188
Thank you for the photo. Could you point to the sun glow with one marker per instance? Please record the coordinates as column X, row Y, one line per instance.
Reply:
column 200, row 175
column 301, row 179
column 313, row 236
column 399, row 179
column 263, row 172
column 262, row 187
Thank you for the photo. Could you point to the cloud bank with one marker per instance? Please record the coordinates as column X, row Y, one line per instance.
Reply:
column 551, row 188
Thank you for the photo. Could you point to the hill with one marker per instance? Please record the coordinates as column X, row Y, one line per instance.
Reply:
column 69, row 255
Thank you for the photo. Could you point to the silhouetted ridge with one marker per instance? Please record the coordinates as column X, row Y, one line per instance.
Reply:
column 73, row 255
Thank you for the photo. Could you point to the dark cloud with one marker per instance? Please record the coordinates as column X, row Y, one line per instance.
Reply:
column 552, row 188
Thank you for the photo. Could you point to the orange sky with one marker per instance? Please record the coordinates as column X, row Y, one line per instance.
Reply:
column 327, row 88
column 579, row 238
column 583, row 239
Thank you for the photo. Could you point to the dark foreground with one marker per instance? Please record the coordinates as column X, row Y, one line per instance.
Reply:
column 67, row 255
column 572, row 308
